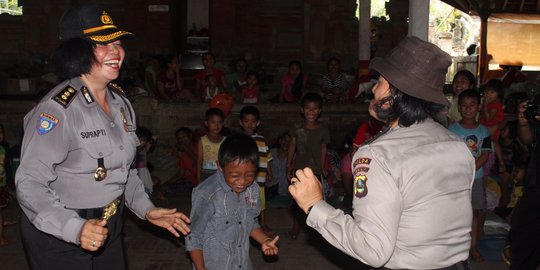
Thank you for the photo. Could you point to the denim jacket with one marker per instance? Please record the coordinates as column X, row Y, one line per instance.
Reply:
column 221, row 222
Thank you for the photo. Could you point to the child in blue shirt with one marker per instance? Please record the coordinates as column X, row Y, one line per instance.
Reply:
column 225, row 209
column 477, row 138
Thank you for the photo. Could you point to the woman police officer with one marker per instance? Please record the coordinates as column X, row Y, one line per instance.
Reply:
column 412, row 207
column 76, row 169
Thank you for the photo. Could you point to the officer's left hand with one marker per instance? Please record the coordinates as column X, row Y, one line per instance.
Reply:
column 306, row 189
column 169, row 219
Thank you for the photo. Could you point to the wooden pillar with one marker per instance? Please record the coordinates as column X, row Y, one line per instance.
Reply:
column 483, row 65
column 419, row 18
column 364, row 37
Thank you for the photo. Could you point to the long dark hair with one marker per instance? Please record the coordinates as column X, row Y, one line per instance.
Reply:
column 406, row 108
column 298, row 84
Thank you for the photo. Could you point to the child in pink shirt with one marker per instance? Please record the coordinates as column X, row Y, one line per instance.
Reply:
column 250, row 92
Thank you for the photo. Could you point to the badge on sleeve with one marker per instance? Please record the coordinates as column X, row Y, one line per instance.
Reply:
column 360, row 187
column 360, row 168
column 46, row 123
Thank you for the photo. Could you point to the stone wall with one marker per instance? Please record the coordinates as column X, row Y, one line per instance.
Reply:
column 164, row 118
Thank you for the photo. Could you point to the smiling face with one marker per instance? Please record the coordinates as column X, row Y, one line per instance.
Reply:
column 239, row 176
column 311, row 111
column 108, row 61
column 469, row 107
column 461, row 83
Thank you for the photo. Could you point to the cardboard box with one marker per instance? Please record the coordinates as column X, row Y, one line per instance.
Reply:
column 22, row 86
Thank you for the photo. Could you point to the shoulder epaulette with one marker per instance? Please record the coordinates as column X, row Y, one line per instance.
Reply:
column 117, row 89
column 65, row 96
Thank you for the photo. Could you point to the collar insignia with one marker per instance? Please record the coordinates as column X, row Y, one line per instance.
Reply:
column 87, row 96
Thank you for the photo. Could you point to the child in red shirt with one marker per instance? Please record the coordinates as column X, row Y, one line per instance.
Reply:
column 492, row 116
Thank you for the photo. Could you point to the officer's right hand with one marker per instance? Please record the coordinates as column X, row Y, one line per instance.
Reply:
column 93, row 234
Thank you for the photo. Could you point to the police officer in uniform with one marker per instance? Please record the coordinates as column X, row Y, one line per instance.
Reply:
column 76, row 172
column 412, row 183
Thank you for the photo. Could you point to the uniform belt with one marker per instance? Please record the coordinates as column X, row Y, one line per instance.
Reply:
column 463, row 265
column 106, row 212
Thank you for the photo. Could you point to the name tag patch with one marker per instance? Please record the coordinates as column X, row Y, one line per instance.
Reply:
column 93, row 134
column 46, row 123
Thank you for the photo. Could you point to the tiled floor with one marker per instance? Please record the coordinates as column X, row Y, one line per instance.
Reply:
column 150, row 248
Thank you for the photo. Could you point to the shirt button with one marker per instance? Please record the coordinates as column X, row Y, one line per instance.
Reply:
column 239, row 222
column 121, row 147
column 112, row 124
column 100, row 154
column 226, row 222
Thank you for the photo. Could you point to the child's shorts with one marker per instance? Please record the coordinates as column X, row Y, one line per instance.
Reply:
column 478, row 194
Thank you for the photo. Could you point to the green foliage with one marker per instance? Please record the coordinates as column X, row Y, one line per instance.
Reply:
column 11, row 7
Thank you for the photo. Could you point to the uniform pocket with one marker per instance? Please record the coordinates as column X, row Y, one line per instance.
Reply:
column 98, row 147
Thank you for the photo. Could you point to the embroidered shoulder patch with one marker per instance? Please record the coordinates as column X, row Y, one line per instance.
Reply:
column 360, row 186
column 46, row 123
column 362, row 160
column 65, row 96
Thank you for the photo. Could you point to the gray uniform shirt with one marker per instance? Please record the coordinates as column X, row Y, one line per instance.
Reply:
column 221, row 223
column 64, row 136
column 412, row 204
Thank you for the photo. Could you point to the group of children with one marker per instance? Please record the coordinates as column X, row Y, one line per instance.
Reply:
column 231, row 174
column 479, row 118
column 231, row 181
column 164, row 80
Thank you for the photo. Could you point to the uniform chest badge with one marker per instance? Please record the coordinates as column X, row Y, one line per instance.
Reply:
column 46, row 123
column 101, row 171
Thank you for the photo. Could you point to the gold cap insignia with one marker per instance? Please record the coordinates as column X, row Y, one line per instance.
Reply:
column 105, row 18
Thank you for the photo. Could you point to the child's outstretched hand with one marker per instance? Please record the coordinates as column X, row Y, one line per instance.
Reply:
column 269, row 247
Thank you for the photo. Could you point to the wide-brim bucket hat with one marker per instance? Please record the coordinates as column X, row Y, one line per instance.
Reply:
column 91, row 22
column 417, row 68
